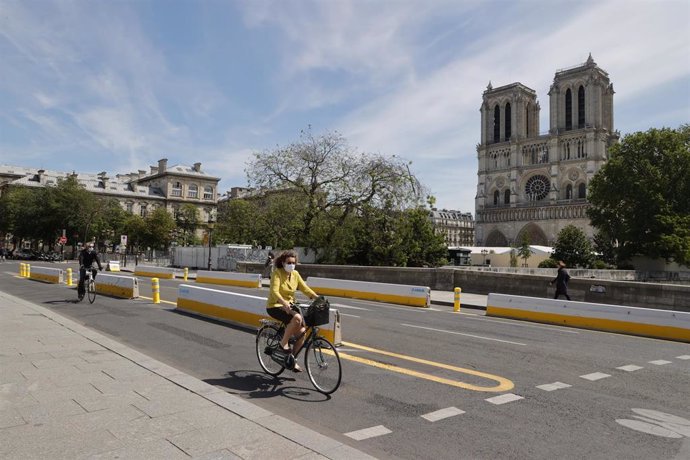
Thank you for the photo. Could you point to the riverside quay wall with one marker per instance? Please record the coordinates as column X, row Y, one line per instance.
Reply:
column 630, row 293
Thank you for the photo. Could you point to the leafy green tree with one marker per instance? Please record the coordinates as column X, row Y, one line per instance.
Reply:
column 187, row 220
column 422, row 245
column 135, row 229
column 513, row 258
column 109, row 224
column 159, row 228
column 573, row 247
column 640, row 196
column 524, row 251
column 334, row 181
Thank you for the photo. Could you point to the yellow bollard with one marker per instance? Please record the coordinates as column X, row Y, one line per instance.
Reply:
column 28, row 270
column 21, row 269
column 456, row 303
column 69, row 277
column 155, row 287
column 186, row 272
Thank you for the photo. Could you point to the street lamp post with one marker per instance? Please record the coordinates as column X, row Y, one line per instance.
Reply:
column 484, row 253
column 211, row 224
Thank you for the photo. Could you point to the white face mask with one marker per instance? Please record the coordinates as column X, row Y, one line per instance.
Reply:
column 89, row 249
column 289, row 267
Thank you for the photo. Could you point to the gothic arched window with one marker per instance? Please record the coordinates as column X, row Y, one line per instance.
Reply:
column 507, row 122
column 568, row 110
column 569, row 192
column 527, row 121
column 581, row 107
column 506, row 196
column 496, row 194
column 582, row 191
column 497, row 124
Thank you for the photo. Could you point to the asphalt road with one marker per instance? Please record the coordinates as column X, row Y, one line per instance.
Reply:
column 419, row 383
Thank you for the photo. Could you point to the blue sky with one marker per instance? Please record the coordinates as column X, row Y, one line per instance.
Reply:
column 93, row 85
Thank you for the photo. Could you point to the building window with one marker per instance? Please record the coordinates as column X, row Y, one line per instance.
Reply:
column 142, row 211
column 569, row 192
column 193, row 191
column 581, row 107
column 129, row 208
column 568, row 110
column 582, row 191
column 177, row 189
column 496, row 195
column 208, row 192
column 537, row 188
column 506, row 196
column 497, row 124
column 527, row 121
column 507, row 121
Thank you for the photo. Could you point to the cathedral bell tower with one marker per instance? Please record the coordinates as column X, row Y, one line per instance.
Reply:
column 533, row 184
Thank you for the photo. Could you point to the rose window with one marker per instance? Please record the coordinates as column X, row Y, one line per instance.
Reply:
column 537, row 188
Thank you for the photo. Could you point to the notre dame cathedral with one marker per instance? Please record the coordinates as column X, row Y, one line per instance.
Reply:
column 535, row 184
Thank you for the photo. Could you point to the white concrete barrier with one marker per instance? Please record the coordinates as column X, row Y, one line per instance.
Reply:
column 242, row 309
column 126, row 287
column 46, row 274
column 416, row 296
column 229, row 278
column 113, row 266
column 648, row 322
column 154, row 272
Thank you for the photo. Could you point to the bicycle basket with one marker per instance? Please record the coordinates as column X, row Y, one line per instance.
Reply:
column 318, row 312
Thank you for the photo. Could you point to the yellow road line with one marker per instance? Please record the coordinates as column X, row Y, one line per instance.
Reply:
column 503, row 383
column 162, row 301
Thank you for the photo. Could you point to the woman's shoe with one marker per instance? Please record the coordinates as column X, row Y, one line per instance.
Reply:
column 296, row 368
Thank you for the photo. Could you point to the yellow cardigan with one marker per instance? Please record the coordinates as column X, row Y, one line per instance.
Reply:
column 284, row 288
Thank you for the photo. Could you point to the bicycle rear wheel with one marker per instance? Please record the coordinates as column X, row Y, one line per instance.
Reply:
column 268, row 341
column 91, row 291
column 323, row 365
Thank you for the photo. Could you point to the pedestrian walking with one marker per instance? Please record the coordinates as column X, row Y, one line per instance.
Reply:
column 268, row 265
column 561, row 280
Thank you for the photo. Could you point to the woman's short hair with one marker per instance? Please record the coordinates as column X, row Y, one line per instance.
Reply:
column 280, row 260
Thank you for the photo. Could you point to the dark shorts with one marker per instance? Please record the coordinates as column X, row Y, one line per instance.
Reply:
column 279, row 314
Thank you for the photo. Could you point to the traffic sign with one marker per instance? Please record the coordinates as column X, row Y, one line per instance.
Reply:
column 123, row 240
column 62, row 240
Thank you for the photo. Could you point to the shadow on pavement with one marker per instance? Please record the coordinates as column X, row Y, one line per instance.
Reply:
column 257, row 385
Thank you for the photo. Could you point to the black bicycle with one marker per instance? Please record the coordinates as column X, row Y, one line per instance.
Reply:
column 321, row 359
column 89, row 287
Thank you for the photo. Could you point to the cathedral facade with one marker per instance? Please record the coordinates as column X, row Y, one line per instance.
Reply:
column 536, row 184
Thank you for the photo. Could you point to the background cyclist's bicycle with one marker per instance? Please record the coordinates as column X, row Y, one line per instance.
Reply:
column 321, row 359
column 89, row 287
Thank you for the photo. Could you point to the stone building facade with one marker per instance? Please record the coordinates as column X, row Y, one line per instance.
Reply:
column 456, row 227
column 536, row 184
column 139, row 192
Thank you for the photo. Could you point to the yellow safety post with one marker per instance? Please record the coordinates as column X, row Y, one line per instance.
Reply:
column 21, row 269
column 456, row 303
column 186, row 272
column 28, row 271
column 155, row 287
column 69, row 277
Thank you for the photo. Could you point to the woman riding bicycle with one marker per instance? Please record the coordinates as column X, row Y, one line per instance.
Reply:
column 285, row 280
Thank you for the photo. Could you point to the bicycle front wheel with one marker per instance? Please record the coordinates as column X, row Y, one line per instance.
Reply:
column 323, row 365
column 268, row 341
column 91, row 291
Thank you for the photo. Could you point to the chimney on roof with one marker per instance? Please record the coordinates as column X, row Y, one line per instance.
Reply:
column 154, row 170
column 197, row 167
column 162, row 165
column 142, row 172
column 39, row 175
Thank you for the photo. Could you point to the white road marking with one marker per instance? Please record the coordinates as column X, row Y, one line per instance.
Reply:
column 520, row 324
column 351, row 316
column 340, row 305
column 630, row 368
column 683, row 357
column 595, row 376
column 648, row 428
column 367, row 433
column 443, row 413
column 503, row 399
column 466, row 335
column 553, row 386
column 660, row 362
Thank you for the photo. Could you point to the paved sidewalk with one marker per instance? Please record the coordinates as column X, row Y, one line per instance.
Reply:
column 67, row 392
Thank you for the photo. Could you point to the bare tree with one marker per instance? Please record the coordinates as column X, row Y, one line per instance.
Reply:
column 334, row 180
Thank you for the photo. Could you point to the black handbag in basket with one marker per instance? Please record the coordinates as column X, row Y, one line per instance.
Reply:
column 318, row 312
